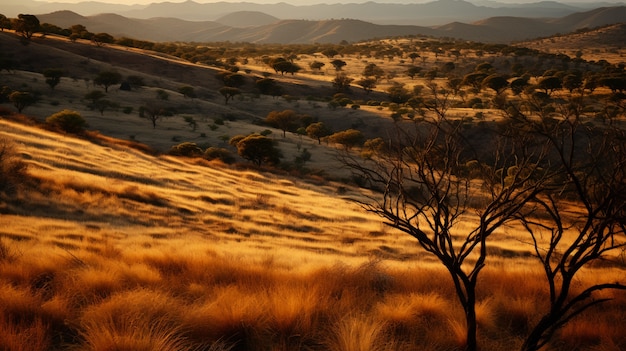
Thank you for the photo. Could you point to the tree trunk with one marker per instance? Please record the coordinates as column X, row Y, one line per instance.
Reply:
column 470, row 320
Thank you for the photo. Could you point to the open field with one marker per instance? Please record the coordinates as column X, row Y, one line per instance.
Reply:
column 119, row 249
column 108, row 243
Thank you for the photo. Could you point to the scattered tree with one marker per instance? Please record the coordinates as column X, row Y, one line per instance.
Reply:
column 100, row 39
column 53, row 76
column 107, row 79
column 348, row 138
column 22, row 99
column 368, row 84
column 316, row 65
column 317, row 131
column 268, row 86
column 342, row 82
column 153, row 113
column 228, row 93
column 26, row 25
column 187, row 149
column 413, row 71
column 338, row 64
column 284, row 120
column 67, row 121
column 187, row 91
column 257, row 149
column 496, row 82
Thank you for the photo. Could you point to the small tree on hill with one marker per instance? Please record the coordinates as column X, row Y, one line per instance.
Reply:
column 368, row 84
column 257, row 149
column 68, row 121
column 317, row 131
column 53, row 76
column 187, row 91
column 338, row 64
column 284, row 120
column 228, row 93
column 100, row 39
column 107, row 79
column 342, row 82
column 348, row 138
column 153, row 113
column 26, row 25
column 22, row 99
column 316, row 65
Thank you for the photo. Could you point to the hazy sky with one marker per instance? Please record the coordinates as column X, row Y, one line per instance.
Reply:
column 297, row 2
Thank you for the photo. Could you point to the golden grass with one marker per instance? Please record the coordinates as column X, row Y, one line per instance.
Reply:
column 113, row 249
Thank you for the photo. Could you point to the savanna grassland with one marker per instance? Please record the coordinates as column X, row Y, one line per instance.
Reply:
column 107, row 242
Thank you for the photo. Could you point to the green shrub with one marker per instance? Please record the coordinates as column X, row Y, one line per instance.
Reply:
column 68, row 121
column 187, row 149
column 218, row 153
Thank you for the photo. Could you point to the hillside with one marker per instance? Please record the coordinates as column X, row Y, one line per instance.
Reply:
column 257, row 27
column 590, row 44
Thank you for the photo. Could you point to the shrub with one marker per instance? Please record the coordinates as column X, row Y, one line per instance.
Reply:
column 218, row 153
column 187, row 149
column 67, row 121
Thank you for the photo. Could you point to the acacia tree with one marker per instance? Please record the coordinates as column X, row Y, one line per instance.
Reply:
column 53, row 76
column 107, row 78
column 26, row 25
column 256, row 148
column 427, row 180
column 228, row 93
column 283, row 120
column 22, row 99
column 317, row 131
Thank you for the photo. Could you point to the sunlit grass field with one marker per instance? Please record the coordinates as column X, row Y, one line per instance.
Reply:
column 108, row 248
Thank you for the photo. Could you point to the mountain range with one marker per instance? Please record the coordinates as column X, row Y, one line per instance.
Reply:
column 262, row 27
column 401, row 12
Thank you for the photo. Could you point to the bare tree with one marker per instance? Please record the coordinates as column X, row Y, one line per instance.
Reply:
column 591, row 166
column 433, row 179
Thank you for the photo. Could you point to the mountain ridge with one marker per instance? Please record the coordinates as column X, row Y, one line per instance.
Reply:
column 500, row 29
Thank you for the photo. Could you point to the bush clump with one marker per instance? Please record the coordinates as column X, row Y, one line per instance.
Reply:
column 187, row 149
column 68, row 121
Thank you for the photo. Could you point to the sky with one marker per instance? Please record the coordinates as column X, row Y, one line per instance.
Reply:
column 296, row 2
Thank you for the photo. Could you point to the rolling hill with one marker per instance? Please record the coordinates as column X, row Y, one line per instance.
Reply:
column 271, row 30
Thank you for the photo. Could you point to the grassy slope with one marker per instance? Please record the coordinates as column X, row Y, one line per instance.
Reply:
column 118, row 249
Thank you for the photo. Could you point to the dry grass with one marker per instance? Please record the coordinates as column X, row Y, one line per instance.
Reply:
column 115, row 249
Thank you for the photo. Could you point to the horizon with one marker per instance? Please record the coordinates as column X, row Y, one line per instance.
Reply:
column 314, row 2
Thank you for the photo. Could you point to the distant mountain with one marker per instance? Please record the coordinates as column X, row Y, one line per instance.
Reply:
column 593, row 18
column 153, row 29
column 606, row 36
column 424, row 14
column 243, row 19
column 437, row 12
column 494, row 29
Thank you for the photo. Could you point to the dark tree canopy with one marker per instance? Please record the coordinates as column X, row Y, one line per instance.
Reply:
column 258, row 149
column 284, row 120
column 228, row 93
column 338, row 64
column 53, row 76
column 26, row 25
column 107, row 79
column 317, row 131
column 68, row 121
column 348, row 138
column 22, row 99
